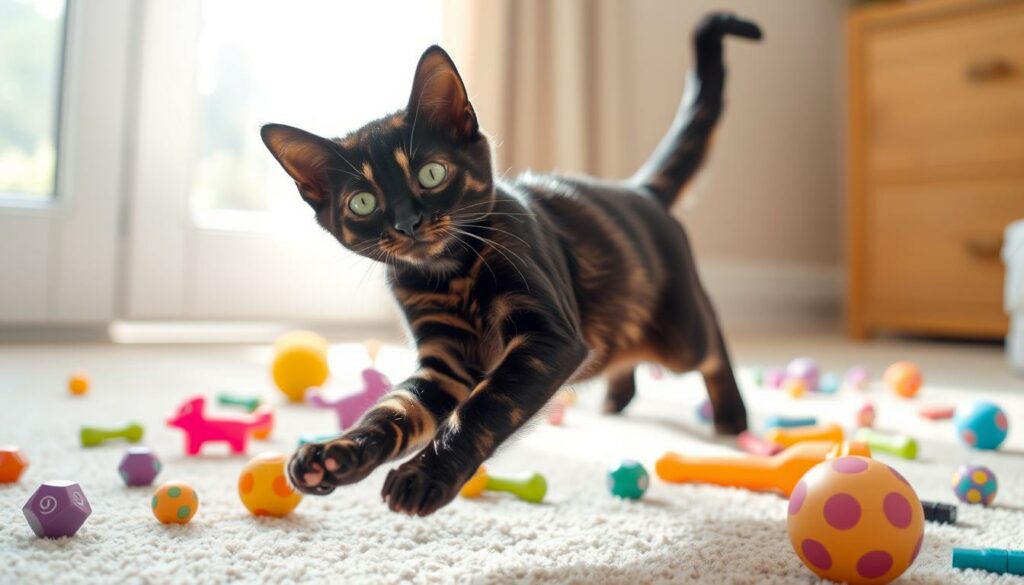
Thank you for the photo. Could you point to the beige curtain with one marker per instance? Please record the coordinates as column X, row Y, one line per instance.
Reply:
column 547, row 80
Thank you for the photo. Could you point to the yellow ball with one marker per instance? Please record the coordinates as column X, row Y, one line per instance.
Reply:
column 855, row 520
column 263, row 487
column 78, row 383
column 175, row 502
column 795, row 387
column 300, row 363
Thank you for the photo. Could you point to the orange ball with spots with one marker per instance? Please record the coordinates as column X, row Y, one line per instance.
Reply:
column 855, row 520
column 263, row 488
column 175, row 502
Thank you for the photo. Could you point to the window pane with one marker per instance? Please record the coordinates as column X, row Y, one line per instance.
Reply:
column 326, row 66
column 31, row 47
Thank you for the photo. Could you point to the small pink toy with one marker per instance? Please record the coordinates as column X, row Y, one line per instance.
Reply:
column 866, row 415
column 199, row 429
column 751, row 443
column 350, row 408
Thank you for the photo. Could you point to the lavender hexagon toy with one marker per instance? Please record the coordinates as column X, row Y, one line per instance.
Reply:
column 139, row 466
column 57, row 509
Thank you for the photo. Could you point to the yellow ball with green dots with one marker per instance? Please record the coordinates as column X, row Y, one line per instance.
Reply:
column 175, row 502
column 975, row 484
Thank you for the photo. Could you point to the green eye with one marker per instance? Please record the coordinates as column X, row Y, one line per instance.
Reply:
column 431, row 175
column 362, row 203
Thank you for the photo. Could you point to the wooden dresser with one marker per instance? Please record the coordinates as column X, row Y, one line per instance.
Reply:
column 935, row 163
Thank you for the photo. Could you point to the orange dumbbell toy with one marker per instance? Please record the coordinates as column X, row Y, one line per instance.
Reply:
column 855, row 520
column 780, row 472
column 791, row 436
column 78, row 383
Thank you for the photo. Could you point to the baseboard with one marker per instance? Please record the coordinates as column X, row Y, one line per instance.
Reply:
column 759, row 296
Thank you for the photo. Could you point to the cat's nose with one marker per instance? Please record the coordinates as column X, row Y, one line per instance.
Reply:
column 409, row 224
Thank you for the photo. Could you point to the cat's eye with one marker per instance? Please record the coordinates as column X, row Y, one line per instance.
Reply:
column 431, row 174
column 362, row 203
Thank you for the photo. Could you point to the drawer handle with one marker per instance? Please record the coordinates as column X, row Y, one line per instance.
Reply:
column 984, row 247
column 991, row 69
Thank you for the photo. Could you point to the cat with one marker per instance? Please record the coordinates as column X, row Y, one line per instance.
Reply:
column 510, row 289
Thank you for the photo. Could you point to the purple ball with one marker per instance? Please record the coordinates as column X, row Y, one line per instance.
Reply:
column 57, row 509
column 139, row 466
column 704, row 411
column 806, row 369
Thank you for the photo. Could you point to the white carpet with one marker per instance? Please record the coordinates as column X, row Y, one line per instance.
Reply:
column 677, row 534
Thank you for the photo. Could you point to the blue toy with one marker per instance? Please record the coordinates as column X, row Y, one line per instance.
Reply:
column 628, row 480
column 994, row 560
column 829, row 383
column 982, row 425
column 788, row 422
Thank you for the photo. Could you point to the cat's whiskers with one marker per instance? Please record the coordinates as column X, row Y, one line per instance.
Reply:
column 458, row 240
column 487, row 227
column 498, row 248
column 334, row 147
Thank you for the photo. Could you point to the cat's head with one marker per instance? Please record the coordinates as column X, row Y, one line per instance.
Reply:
column 403, row 186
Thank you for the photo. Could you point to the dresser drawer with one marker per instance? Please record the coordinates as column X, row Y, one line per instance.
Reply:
column 946, row 91
column 937, row 245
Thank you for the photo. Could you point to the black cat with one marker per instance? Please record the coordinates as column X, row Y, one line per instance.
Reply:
column 510, row 289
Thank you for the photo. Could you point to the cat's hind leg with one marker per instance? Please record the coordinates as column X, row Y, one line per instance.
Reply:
column 621, row 389
column 688, row 338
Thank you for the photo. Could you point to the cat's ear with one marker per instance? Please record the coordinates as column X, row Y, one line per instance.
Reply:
column 439, row 96
column 308, row 158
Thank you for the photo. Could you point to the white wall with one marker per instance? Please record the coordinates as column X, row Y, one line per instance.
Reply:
column 765, row 214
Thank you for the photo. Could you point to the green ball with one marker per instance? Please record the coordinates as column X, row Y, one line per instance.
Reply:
column 628, row 479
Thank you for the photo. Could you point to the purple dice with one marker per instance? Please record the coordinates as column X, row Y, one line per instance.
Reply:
column 139, row 466
column 57, row 509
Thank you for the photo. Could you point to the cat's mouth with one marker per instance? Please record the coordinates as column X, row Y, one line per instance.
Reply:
column 429, row 244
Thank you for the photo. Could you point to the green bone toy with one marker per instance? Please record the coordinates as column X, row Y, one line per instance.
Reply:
column 249, row 403
column 93, row 436
column 898, row 445
column 530, row 487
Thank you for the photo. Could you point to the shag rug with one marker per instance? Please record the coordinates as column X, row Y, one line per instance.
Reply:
column 580, row 534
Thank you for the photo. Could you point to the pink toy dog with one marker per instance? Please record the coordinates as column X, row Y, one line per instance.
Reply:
column 199, row 429
column 350, row 408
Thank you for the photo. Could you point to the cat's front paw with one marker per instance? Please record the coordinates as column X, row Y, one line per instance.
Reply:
column 418, row 489
column 318, row 468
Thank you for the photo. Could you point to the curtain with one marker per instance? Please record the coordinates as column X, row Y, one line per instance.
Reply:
column 546, row 78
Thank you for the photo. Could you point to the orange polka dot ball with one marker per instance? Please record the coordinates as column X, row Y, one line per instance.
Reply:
column 975, row 484
column 175, row 502
column 263, row 488
column 855, row 520
column 903, row 378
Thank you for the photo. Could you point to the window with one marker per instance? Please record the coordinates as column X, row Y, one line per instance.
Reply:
column 327, row 67
column 31, row 67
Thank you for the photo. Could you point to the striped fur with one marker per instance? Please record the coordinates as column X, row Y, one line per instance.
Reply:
column 509, row 289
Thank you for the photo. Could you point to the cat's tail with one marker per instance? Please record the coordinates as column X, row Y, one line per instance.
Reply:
column 682, row 150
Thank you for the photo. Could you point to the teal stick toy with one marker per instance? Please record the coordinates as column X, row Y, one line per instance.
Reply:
column 308, row 438
column 249, row 403
column 993, row 560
